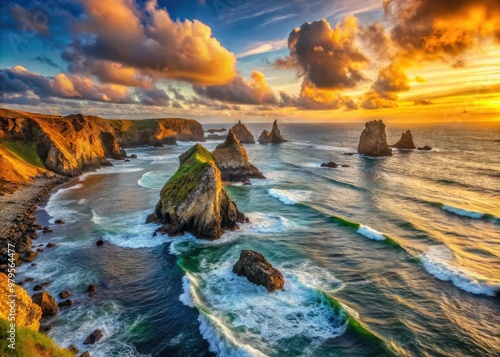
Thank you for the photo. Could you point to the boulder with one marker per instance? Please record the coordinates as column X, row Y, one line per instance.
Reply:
column 259, row 271
column 133, row 156
column 273, row 137
column 373, row 141
column 406, row 142
column 232, row 160
column 100, row 242
column 425, row 148
column 50, row 245
column 85, row 354
column 73, row 349
column 330, row 164
column 193, row 199
column 46, row 302
column 59, row 221
column 93, row 337
column 64, row 294
column 243, row 134
column 29, row 256
column 65, row 303
column 91, row 289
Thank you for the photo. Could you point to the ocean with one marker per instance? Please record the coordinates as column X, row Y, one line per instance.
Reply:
column 396, row 256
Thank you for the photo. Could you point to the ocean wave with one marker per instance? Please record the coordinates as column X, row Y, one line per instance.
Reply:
column 438, row 263
column 370, row 233
column 464, row 212
column 322, row 147
column 266, row 223
column 290, row 197
column 154, row 180
column 59, row 208
column 110, row 170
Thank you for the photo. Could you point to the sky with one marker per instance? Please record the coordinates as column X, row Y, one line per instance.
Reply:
column 226, row 60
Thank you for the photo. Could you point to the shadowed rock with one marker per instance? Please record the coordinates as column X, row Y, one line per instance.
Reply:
column 193, row 200
column 93, row 337
column 46, row 302
column 373, row 141
column 259, row 271
column 243, row 134
column 406, row 142
column 273, row 137
column 232, row 160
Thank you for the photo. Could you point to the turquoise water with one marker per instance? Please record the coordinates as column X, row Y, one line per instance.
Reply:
column 392, row 256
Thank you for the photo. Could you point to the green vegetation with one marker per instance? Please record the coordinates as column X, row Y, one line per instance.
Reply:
column 29, row 343
column 188, row 176
column 24, row 151
column 135, row 125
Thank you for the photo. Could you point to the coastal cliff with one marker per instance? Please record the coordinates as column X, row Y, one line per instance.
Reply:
column 232, row 160
column 193, row 200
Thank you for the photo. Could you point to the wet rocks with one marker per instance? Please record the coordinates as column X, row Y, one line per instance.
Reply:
column 94, row 337
column 259, row 271
column 29, row 256
column 425, row 148
column 59, row 221
column 50, row 245
column 99, row 243
column 373, row 141
column 91, row 289
column 243, row 134
column 273, row 137
column 64, row 294
column 65, row 303
column 330, row 164
column 46, row 302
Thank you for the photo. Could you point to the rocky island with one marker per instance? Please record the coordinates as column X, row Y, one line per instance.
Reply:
column 242, row 133
column 232, row 160
column 405, row 143
column 193, row 199
column 259, row 271
column 373, row 141
column 273, row 137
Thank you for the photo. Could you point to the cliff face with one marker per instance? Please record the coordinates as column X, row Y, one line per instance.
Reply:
column 194, row 201
column 27, row 314
column 75, row 143
column 232, row 160
column 373, row 141
column 406, row 142
column 273, row 137
column 243, row 134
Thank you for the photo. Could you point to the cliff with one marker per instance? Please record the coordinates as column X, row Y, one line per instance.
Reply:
column 242, row 133
column 193, row 199
column 232, row 160
column 406, row 142
column 273, row 137
column 76, row 143
column 373, row 141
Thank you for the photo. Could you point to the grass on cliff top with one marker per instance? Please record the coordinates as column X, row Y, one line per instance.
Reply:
column 24, row 151
column 29, row 343
column 188, row 176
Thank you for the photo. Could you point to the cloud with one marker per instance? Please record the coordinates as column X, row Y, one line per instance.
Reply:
column 420, row 79
column 46, row 60
column 422, row 102
column 263, row 47
column 239, row 91
column 30, row 22
column 326, row 57
column 384, row 91
column 125, row 40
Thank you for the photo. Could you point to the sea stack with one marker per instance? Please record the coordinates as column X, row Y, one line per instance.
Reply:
column 373, row 141
column 273, row 137
column 243, row 134
column 232, row 160
column 406, row 142
column 193, row 199
column 259, row 271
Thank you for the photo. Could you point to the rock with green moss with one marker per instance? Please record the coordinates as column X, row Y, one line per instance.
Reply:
column 232, row 160
column 194, row 201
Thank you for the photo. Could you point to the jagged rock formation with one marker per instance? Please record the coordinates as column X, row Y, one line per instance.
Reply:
column 406, row 142
column 259, row 271
column 193, row 200
column 243, row 134
column 46, row 302
column 273, row 137
column 232, row 160
column 373, row 141
column 27, row 313
column 31, row 143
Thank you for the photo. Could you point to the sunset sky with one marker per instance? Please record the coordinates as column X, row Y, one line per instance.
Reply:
column 223, row 60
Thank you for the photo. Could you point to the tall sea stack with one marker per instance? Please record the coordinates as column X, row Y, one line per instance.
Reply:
column 194, row 201
column 373, row 141
column 232, row 160
column 273, row 137
column 406, row 142
column 243, row 134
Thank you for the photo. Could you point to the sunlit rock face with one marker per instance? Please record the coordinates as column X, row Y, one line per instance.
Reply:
column 373, row 141
column 243, row 134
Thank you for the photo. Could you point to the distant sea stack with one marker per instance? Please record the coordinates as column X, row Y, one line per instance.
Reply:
column 273, row 137
column 194, row 201
column 232, row 160
column 406, row 142
column 243, row 134
column 373, row 141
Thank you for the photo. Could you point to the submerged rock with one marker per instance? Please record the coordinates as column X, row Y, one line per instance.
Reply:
column 406, row 142
column 46, row 302
column 273, row 137
column 232, row 160
column 93, row 337
column 330, row 164
column 193, row 200
column 91, row 289
column 243, row 134
column 259, row 271
column 425, row 148
column 373, row 141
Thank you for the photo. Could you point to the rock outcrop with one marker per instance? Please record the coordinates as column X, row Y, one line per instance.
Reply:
column 46, row 302
column 425, row 148
column 273, row 137
column 243, row 134
column 330, row 164
column 259, row 271
column 27, row 313
column 232, row 160
column 373, row 141
column 193, row 199
column 406, row 142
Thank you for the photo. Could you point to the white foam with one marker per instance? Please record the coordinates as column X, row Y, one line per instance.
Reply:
column 463, row 212
column 439, row 262
column 290, row 197
column 322, row 147
column 153, row 179
column 58, row 207
column 266, row 223
column 110, row 170
column 83, row 201
column 370, row 233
